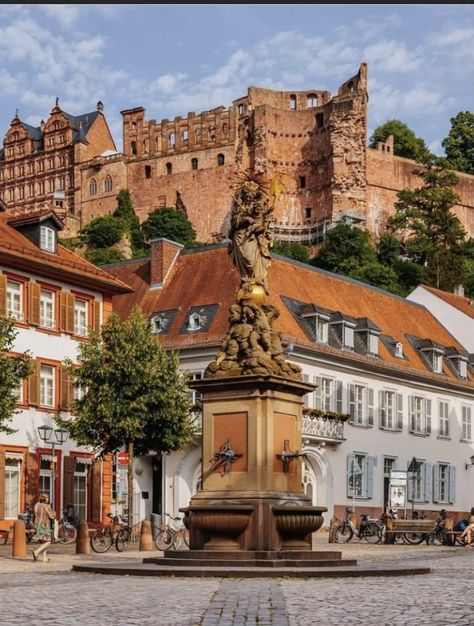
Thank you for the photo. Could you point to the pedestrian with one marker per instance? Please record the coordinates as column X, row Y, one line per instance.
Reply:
column 469, row 530
column 44, row 515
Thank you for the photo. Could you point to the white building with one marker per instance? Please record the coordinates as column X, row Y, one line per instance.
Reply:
column 404, row 379
column 54, row 296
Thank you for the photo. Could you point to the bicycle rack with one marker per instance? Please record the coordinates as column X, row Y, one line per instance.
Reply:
column 224, row 457
column 286, row 456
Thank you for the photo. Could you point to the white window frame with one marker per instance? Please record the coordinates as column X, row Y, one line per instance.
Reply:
column 419, row 415
column 321, row 329
column 47, row 386
column 443, row 483
column 466, row 422
column 83, row 474
column 388, row 409
column 47, row 238
column 15, row 300
column 444, row 426
column 47, row 309
column 327, row 394
column 13, row 471
column 194, row 322
column 81, row 317
column 437, row 362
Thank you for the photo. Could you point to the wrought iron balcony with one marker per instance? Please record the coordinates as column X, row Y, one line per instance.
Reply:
column 321, row 426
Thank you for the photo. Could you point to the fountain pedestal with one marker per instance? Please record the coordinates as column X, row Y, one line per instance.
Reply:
column 255, row 501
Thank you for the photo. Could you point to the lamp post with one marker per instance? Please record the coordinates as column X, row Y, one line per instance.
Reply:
column 61, row 435
column 414, row 468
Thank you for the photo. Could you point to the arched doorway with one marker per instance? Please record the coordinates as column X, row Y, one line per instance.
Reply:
column 318, row 480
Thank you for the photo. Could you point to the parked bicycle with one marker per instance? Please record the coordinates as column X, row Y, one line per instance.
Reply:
column 28, row 518
column 118, row 533
column 67, row 531
column 368, row 529
column 173, row 535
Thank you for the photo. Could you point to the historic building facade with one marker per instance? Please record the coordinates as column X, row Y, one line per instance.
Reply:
column 406, row 383
column 54, row 296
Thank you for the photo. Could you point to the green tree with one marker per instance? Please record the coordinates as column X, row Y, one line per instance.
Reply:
column 388, row 249
column 127, row 217
column 134, row 396
column 431, row 234
column 102, row 256
column 345, row 249
column 295, row 251
column 375, row 273
column 13, row 369
column 167, row 222
column 405, row 142
column 459, row 144
column 102, row 232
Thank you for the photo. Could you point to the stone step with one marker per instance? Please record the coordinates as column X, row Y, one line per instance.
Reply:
column 244, row 555
column 149, row 569
column 170, row 562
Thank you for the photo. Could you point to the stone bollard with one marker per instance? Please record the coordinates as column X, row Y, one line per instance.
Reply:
column 19, row 538
column 146, row 537
column 82, row 539
column 448, row 527
column 333, row 524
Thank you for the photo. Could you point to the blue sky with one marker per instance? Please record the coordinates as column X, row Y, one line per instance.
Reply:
column 172, row 59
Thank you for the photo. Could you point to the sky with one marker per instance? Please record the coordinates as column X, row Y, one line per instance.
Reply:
column 172, row 59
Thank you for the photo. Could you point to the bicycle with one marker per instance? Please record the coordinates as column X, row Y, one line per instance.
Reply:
column 118, row 533
column 172, row 536
column 368, row 530
column 66, row 531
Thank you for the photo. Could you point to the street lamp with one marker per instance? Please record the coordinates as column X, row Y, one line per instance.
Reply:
column 471, row 463
column 61, row 435
column 414, row 468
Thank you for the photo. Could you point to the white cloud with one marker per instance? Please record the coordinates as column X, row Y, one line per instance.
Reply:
column 66, row 14
column 391, row 56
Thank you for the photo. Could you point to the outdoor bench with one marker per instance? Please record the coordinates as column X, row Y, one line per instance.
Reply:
column 401, row 526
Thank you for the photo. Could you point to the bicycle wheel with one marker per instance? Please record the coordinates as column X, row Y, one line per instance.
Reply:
column 164, row 539
column 343, row 533
column 122, row 540
column 178, row 540
column 372, row 533
column 414, row 539
column 66, row 533
column 101, row 540
column 438, row 537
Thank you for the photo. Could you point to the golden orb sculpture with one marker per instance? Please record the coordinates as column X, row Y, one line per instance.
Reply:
column 257, row 295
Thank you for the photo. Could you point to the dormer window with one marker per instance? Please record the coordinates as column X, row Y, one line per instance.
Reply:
column 458, row 361
column 194, row 322
column 437, row 362
column 344, row 329
column 47, row 238
column 321, row 327
column 399, row 350
column 368, row 334
column 157, row 325
column 433, row 354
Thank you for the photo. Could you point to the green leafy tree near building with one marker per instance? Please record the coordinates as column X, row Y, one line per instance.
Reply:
column 405, row 142
column 169, row 223
column 13, row 370
column 130, row 223
column 134, row 395
column 295, row 251
column 459, row 144
column 102, row 232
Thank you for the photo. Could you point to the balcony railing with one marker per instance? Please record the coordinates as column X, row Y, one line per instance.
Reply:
column 323, row 426
column 301, row 233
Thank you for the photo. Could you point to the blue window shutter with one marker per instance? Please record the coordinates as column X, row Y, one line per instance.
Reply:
column 317, row 392
column 352, row 400
column 452, row 484
column 350, row 462
column 382, row 422
column 399, row 398
column 339, row 405
column 427, row 480
column 436, row 482
column 370, row 406
column 411, row 404
column 428, row 416
column 371, row 463
column 306, row 396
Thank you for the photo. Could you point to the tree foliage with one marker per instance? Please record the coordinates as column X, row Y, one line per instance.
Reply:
column 405, row 142
column 295, row 251
column 345, row 249
column 459, row 144
column 169, row 223
column 13, row 369
column 102, row 232
column 102, row 256
column 431, row 234
column 125, row 214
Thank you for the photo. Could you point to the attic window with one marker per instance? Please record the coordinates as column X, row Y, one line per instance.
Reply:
column 194, row 322
column 345, row 332
column 47, row 238
column 321, row 329
column 157, row 325
column 399, row 350
column 435, row 358
column 458, row 362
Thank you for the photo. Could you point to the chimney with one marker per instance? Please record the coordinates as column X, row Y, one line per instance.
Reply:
column 100, row 106
column 163, row 254
column 459, row 290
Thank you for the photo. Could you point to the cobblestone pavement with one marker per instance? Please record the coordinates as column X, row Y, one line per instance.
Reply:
column 51, row 594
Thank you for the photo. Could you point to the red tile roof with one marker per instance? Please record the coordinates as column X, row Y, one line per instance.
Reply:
column 459, row 302
column 207, row 276
column 18, row 252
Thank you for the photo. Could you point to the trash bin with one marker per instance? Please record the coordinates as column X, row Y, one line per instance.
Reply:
column 155, row 524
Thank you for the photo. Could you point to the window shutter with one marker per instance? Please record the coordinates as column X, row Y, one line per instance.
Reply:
column 96, row 316
column 352, row 400
column 350, row 462
column 306, row 395
column 68, row 480
column 35, row 293
column 411, row 400
column 428, row 416
column 371, row 463
column 3, row 294
column 399, row 398
column 436, row 482
column 370, row 406
column 317, row 392
column 31, row 478
column 339, row 404
column 452, row 484
column 2, row 484
column 427, row 480
column 67, row 389
column 382, row 419
column 34, row 383
column 63, row 311
column 96, row 480
column 70, row 313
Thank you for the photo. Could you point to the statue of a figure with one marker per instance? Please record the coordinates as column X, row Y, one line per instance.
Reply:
column 249, row 235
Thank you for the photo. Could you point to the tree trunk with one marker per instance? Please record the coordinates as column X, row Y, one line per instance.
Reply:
column 130, row 483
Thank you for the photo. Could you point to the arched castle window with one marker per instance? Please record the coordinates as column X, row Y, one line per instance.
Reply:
column 292, row 103
column 212, row 133
column 93, row 187
column 172, row 140
column 311, row 100
column 133, row 125
column 307, row 212
column 224, row 129
column 147, row 171
column 194, row 164
column 133, row 147
column 169, row 168
column 197, row 135
column 108, row 183
column 56, row 125
column 185, row 136
column 220, row 159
